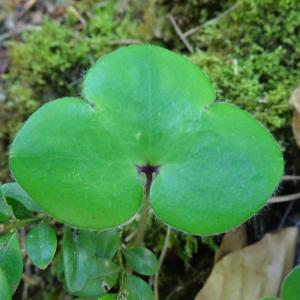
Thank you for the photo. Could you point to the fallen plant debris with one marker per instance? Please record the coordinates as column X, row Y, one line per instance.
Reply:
column 253, row 271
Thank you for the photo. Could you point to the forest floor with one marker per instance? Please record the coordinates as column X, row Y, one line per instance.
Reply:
column 189, row 260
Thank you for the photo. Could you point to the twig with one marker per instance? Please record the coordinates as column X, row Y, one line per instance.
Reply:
column 76, row 14
column 180, row 34
column 284, row 198
column 181, row 288
column 130, row 237
column 286, row 213
column 258, row 231
column 124, row 42
column 6, row 228
column 178, row 289
column 191, row 31
column 290, row 177
column 209, row 22
column 160, row 262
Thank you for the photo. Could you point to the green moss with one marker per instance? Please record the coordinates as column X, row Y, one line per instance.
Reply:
column 46, row 55
column 259, row 84
column 252, row 56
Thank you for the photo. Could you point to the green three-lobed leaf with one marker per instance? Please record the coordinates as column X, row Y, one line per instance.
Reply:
column 146, row 106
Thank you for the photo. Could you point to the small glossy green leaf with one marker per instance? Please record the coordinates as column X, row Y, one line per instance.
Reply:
column 59, row 267
column 137, row 288
column 78, row 256
column 217, row 164
column 291, row 285
column 11, row 260
column 5, row 209
column 92, row 288
column 141, row 260
column 95, row 287
column 41, row 245
column 107, row 243
column 103, row 267
column 19, row 200
column 5, row 291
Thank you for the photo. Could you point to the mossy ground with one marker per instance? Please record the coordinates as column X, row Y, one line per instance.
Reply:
column 250, row 49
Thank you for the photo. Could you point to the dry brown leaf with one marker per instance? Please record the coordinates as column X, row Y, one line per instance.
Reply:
column 232, row 241
column 296, row 127
column 254, row 271
column 29, row 4
column 295, row 101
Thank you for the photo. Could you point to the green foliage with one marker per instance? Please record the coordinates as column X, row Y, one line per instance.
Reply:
column 5, row 291
column 141, row 260
column 5, row 209
column 209, row 242
column 41, row 245
column 59, row 267
column 11, row 260
column 291, row 285
column 78, row 253
column 84, row 273
column 97, row 286
column 107, row 243
column 290, row 288
column 136, row 288
column 22, row 205
column 103, row 267
column 251, row 54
